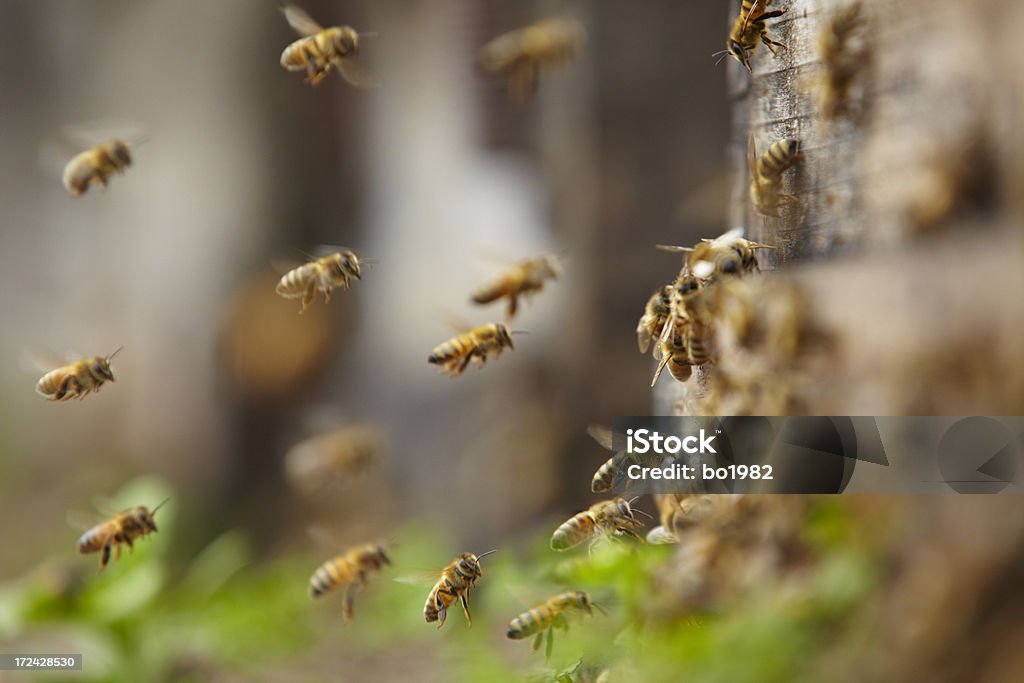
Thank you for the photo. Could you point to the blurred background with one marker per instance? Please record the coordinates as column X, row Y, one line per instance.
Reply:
column 443, row 183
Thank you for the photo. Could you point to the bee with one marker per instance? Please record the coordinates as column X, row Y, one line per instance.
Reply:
column 675, row 349
column 545, row 618
column 525, row 278
column 656, row 314
column 315, row 462
column 749, row 28
column 321, row 48
column 96, row 165
column 355, row 565
column 477, row 344
column 77, row 379
column 842, row 58
column 609, row 518
column 766, row 175
column 457, row 580
column 604, row 478
column 125, row 527
column 523, row 55
column 320, row 275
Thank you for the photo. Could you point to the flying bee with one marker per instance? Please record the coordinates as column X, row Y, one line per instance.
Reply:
column 476, row 344
column 345, row 570
column 321, row 48
column 323, row 274
column 749, row 28
column 727, row 254
column 766, row 175
column 604, row 478
column 77, row 379
column 522, row 56
column 457, row 580
column 125, row 527
column 525, row 278
column 96, row 165
column 656, row 314
column 608, row 519
column 545, row 618
column 843, row 57
column 314, row 463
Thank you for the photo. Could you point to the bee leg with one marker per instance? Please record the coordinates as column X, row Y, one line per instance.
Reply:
column 105, row 557
column 464, row 598
column 513, row 306
column 307, row 298
column 551, row 643
column 465, row 363
column 346, row 605
column 131, row 544
column 537, row 641
column 768, row 42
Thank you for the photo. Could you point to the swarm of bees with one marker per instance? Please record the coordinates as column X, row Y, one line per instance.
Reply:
column 687, row 321
column 680, row 316
column 522, row 56
column 345, row 571
column 122, row 529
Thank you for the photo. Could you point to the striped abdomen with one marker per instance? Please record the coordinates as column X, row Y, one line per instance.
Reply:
column 355, row 565
column 778, row 158
column 604, row 478
column 531, row 622
column 98, row 536
column 456, row 347
column 574, row 531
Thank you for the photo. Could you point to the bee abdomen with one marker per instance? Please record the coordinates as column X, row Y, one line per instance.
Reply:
column 90, row 542
column 325, row 579
column 488, row 293
column 778, row 158
column 527, row 624
column 447, row 351
column 572, row 532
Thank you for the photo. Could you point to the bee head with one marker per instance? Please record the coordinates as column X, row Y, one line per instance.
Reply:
column 382, row 555
column 739, row 53
column 350, row 263
column 120, row 152
column 623, row 507
column 101, row 368
column 504, row 336
column 550, row 267
column 346, row 41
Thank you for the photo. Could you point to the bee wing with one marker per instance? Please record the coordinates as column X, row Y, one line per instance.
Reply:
column 88, row 134
column 36, row 360
column 729, row 236
column 752, row 12
column 643, row 337
column 601, row 434
column 324, row 537
column 299, row 20
column 355, row 73
column 457, row 324
column 672, row 248
column 661, row 366
column 419, row 577
column 81, row 521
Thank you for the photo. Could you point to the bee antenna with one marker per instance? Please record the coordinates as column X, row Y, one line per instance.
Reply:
column 489, row 552
column 644, row 513
column 369, row 34
column 116, row 351
column 519, row 332
column 671, row 247
column 600, row 609
column 159, row 506
column 721, row 55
